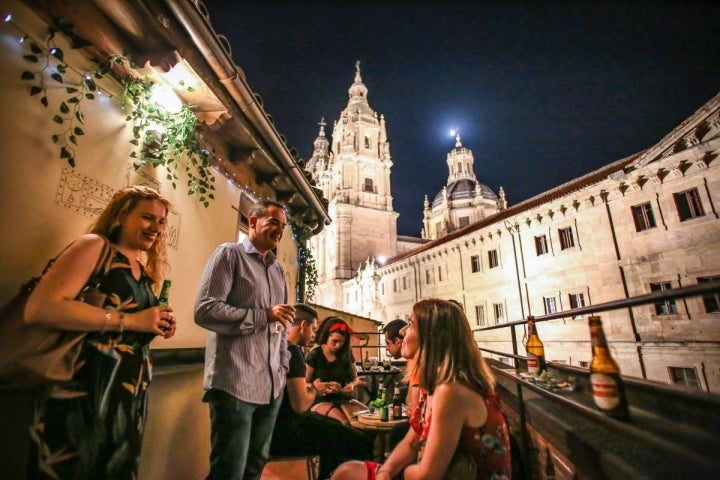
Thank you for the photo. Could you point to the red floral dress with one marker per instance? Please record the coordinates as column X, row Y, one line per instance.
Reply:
column 489, row 445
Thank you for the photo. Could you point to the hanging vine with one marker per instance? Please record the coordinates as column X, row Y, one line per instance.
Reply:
column 308, row 277
column 160, row 138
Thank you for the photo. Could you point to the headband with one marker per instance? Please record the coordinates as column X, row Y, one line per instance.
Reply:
column 340, row 326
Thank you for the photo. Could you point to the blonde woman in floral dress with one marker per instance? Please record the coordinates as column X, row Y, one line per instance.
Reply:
column 91, row 427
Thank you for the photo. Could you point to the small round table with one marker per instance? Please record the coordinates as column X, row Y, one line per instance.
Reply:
column 372, row 423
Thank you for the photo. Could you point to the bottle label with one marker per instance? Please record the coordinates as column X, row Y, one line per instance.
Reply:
column 533, row 363
column 605, row 391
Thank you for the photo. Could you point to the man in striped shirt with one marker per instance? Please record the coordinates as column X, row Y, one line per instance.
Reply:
column 242, row 302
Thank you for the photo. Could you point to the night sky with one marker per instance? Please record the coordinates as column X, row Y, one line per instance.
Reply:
column 541, row 92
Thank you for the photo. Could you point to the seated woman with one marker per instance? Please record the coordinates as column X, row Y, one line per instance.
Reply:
column 331, row 370
column 457, row 423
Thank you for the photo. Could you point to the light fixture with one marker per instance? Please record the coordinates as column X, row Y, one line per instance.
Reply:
column 166, row 98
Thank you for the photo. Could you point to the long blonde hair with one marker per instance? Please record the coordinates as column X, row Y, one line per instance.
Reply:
column 446, row 348
column 109, row 222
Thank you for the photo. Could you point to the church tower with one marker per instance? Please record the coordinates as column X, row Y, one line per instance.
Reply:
column 463, row 200
column 353, row 171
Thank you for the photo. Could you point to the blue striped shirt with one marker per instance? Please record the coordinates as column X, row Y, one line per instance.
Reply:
column 244, row 357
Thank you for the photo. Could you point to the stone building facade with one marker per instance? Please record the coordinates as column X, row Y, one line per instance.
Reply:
column 354, row 175
column 644, row 223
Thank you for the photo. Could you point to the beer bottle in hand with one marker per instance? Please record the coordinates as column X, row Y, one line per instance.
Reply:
column 607, row 386
column 164, row 297
column 535, row 349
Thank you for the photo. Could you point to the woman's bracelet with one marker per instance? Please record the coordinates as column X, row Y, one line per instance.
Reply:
column 108, row 316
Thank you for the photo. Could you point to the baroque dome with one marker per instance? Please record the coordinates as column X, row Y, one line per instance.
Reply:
column 462, row 189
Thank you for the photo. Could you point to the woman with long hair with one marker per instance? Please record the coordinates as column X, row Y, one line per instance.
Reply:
column 457, row 421
column 331, row 370
column 91, row 426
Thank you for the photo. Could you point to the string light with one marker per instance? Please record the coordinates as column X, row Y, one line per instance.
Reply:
column 8, row 18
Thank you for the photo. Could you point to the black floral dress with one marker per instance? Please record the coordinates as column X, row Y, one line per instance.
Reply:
column 92, row 426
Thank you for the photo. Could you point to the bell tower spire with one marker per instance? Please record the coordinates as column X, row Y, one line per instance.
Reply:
column 355, row 178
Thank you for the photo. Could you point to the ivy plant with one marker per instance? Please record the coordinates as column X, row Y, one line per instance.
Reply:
column 308, row 269
column 159, row 137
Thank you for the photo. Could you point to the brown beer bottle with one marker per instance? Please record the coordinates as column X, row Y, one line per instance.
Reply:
column 607, row 386
column 396, row 403
column 535, row 349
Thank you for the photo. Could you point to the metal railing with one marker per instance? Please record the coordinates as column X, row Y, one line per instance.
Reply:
column 676, row 424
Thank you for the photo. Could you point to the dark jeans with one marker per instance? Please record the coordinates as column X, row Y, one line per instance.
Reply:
column 313, row 434
column 240, row 436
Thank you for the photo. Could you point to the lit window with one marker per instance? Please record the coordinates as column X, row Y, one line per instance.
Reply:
column 541, row 246
column 664, row 307
column 643, row 216
column 475, row 263
column 684, row 376
column 550, row 305
column 688, row 204
column 480, row 315
column 711, row 300
column 566, row 238
column 499, row 313
column 493, row 259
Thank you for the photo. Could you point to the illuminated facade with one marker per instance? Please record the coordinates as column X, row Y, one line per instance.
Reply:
column 644, row 223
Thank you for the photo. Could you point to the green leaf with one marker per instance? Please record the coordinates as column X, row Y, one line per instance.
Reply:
column 55, row 138
column 91, row 84
column 73, row 100
column 71, row 162
column 57, row 119
column 34, row 48
column 27, row 75
column 89, row 96
column 64, row 108
column 65, row 153
column 31, row 58
column 78, row 131
column 71, row 90
column 72, row 139
column 34, row 90
column 44, row 101
column 61, row 68
column 57, row 77
column 134, row 142
column 80, row 116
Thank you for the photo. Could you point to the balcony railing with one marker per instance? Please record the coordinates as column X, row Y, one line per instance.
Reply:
column 560, row 434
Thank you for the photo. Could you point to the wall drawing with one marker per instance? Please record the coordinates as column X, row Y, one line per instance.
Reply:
column 81, row 193
column 88, row 197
